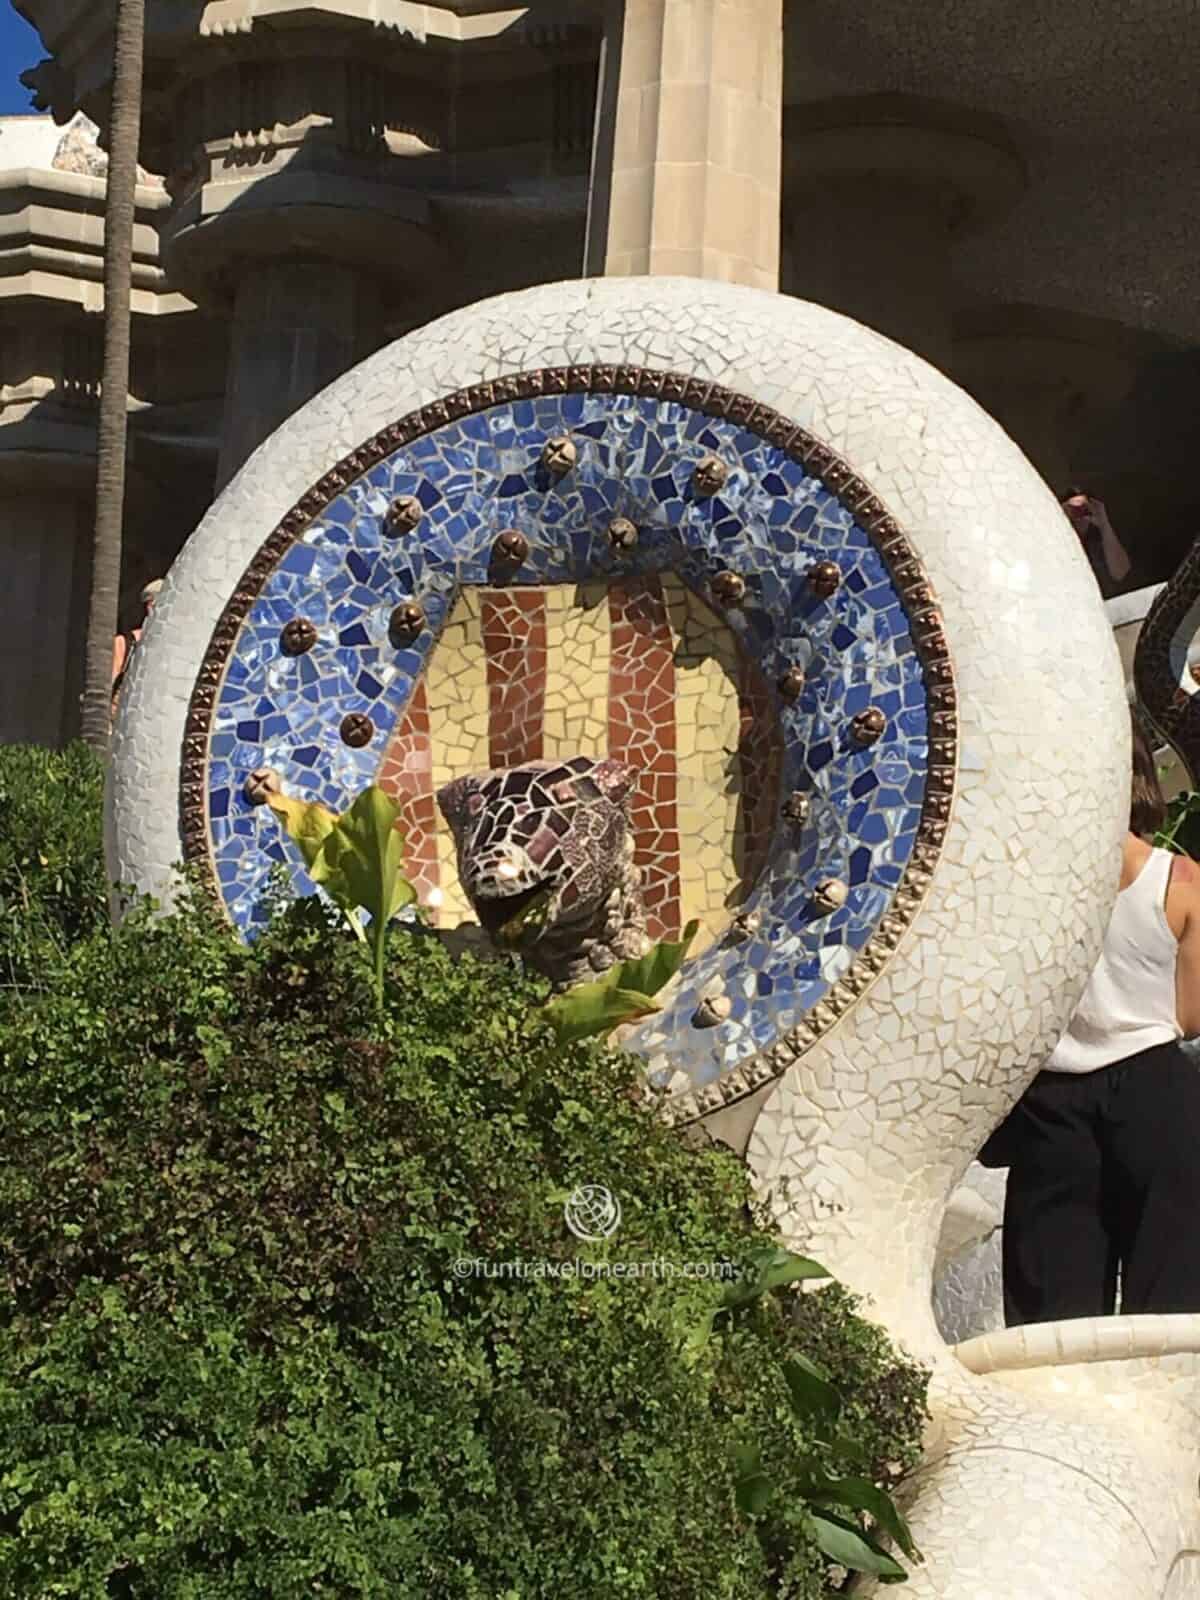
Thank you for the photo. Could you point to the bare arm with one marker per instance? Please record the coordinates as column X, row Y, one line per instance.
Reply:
column 120, row 650
column 1185, row 891
column 1116, row 558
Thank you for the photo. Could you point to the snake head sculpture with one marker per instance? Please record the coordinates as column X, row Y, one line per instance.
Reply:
column 555, row 836
column 1166, row 689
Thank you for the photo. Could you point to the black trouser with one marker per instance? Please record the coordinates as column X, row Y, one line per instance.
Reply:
column 1105, row 1173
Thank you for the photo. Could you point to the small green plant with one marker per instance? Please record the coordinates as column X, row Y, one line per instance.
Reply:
column 358, row 859
column 814, row 1485
column 1180, row 833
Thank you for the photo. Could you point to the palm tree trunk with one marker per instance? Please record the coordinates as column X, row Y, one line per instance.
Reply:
column 123, row 139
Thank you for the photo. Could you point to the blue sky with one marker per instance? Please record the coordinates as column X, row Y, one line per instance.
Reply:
column 20, row 47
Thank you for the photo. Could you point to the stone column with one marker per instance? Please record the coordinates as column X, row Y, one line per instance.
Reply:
column 878, row 189
column 44, row 543
column 296, row 327
column 688, row 153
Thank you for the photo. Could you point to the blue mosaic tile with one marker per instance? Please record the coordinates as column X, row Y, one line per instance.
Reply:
column 636, row 457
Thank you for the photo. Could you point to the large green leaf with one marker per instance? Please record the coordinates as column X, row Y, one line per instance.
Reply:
column 859, row 1494
column 752, row 1488
column 771, row 1268
column 357, row 858
column 653, row 971
column 364, row 857
column 814, row 1398
column 623, row 994
column 697, row 1336
column 308, row 823
column 592, row 1009
column 848, row 1451
column 850, row 1547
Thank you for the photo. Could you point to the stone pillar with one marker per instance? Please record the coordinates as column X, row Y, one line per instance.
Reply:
column 51, row 350
column 296, row 327
column 290, row 149
column 878, row 189
column 688, row 153
column 44, row 542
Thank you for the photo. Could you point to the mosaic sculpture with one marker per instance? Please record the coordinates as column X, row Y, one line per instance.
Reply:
column 814, row 599
column 1163, row 678
column 553, row 838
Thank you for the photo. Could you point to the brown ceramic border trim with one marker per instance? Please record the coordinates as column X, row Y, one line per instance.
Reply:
column 820, row 461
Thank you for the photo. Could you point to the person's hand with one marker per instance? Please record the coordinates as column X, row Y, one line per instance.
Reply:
column 1099, row 512
column 1078, row 508
column 1086, row 512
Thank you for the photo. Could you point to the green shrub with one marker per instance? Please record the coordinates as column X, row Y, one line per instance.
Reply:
column 52, row 885
column 237, row 1359
column 1181, row 830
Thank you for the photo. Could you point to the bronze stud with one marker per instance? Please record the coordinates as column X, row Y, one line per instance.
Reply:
column 357, row 730
column 868, row 725
column 824, row 578
column 298, row 637
column 830, row 895
column 263, row 781
column 710, row 476
column 712, row 1012
column 796, row 808
column 511, row 547
column 622, row 534
column 406, row 623
column 560, row 455
column 791, row 684
column 729, row 588
column 404, row 515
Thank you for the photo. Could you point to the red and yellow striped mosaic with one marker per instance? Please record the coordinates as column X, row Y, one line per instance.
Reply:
column 642, row 670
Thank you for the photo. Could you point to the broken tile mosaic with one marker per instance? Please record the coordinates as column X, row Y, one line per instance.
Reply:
column 770, row 523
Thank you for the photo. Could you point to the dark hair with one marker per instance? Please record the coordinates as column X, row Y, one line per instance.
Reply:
column 1147, row 808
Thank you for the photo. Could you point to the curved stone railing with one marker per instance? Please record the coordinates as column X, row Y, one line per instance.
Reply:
column 1084, row 1340
column 1135, row 1381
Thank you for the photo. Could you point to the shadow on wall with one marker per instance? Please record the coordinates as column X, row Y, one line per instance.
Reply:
column 1145, row 457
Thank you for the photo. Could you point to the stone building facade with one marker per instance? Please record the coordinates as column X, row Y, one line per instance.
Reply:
column 1012, row 197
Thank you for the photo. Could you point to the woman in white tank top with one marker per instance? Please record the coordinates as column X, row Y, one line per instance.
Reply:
column 1129, row 1003
column 1104, row 1147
